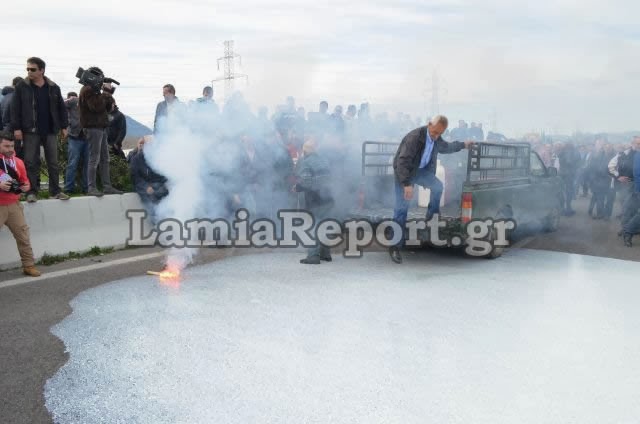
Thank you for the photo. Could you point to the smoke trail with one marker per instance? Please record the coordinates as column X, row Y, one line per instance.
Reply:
column 196, row 149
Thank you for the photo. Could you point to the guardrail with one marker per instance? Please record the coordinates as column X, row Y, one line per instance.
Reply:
column 57, row 227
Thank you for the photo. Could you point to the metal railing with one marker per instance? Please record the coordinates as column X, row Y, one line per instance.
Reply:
column 495, row 161
column 377, row 158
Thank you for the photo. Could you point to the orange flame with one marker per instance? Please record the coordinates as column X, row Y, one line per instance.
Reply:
column 170, row 276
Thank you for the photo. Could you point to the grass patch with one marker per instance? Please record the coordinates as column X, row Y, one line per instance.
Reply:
column 48, row 259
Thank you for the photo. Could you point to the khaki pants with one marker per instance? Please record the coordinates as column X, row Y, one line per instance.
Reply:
column 13, row 216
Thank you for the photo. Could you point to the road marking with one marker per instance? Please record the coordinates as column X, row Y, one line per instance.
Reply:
column 71, row 271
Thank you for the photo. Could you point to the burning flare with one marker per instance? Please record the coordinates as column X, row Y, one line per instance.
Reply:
column 168, row 275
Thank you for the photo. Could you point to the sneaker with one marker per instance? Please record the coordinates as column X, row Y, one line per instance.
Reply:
column 32, row 198
column 61, row 196
column 112, row 190
column 94, row 192
column 31, row 271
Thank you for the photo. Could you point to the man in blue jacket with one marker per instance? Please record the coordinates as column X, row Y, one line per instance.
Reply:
column 631, row 214
column 415, row 163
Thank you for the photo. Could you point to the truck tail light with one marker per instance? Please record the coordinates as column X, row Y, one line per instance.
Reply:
column 467, row 207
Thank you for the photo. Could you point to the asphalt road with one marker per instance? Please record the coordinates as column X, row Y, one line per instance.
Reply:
column 30, row 354
column 584, row 235
column 533, row 337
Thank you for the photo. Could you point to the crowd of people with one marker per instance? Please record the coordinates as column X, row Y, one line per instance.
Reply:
column 602, row 171
column 253, row 157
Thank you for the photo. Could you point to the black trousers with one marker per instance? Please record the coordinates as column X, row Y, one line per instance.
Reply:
column 31, row 150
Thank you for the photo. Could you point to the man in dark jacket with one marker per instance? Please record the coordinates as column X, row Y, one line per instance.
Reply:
column 166, row 108
column 94, row 117
column 77, row 149
column 621, row 169
column 599, row 178
column 38, row 115
column 117, row 130
column 5, row 104
column 569, row 161
column 415, row 162
column 631, row 208
column 5, row 111
column 150, row 186
column 313, row 178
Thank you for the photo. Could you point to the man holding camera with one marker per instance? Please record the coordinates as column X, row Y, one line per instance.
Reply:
column 94, row 105
column 13, row 182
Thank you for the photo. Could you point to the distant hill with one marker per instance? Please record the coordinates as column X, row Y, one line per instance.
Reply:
column 135, row 130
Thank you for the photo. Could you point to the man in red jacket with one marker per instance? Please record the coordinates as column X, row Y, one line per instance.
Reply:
column 13, row 182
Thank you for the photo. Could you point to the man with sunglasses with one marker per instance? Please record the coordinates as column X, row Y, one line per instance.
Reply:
column 38, row 115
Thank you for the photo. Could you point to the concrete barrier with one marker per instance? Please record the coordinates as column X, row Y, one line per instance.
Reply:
column 59, row 226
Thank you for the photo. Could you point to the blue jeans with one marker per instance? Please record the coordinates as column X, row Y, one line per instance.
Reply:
column 426, row 180
column 77, row 151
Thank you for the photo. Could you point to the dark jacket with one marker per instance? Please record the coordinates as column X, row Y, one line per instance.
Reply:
column 625, row 163
column 5, row 108
column 313, row 177
column 75, row 129
column 570, row 160
column 598, row 171
column 117, row 128
column 162, row 110
column 23, row 108
column 94, row 108
column 282, row 168
column 409, row 154
column 143, row 176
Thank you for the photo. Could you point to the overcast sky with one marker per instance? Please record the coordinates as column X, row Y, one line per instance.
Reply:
column 560, row 65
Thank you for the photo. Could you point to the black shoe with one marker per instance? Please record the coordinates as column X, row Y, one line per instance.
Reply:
column 627, row 239
column 326, row 258
column 111, row 190
column 310, row 261
column 396, row 257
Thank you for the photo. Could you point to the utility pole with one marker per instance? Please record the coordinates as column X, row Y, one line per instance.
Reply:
column 435, row 93
column 493, row 120
column 229, row 65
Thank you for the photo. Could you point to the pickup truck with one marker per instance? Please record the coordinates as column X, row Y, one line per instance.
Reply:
column 488, row 181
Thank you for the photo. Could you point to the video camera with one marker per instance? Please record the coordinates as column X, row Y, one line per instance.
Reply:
column 94, row 78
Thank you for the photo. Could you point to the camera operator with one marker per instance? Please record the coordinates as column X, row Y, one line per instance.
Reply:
column 13, row 182
column 95, row 104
